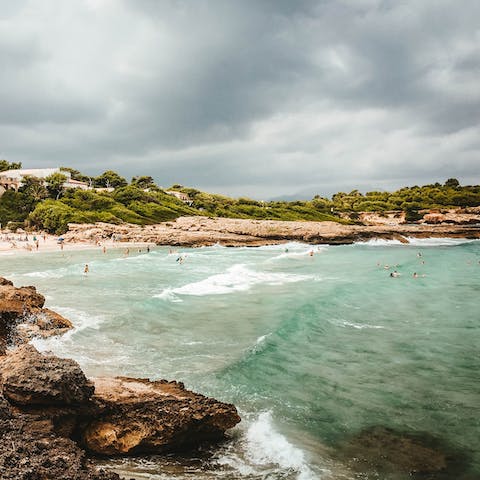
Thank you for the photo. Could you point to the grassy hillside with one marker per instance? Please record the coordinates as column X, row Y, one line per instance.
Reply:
column 46, row 206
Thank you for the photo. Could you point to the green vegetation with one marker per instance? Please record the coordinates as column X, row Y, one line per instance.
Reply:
column 46, row 205
column 409, row 199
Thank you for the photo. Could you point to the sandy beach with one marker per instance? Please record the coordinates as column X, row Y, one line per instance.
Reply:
column 34, row 243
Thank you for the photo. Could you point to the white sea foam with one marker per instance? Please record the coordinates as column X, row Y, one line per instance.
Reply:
column 379, row 242
column 79, row 318
column 168, row 295
column 46, row 274
column 420, row 242
column 237, row 278
column 297, row 254
column 438, row 242
column 359, row 326
column 262, row 449
column 266, row 446
column 283, row 246
column 262, row 338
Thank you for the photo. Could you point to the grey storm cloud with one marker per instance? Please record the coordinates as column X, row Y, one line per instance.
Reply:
column 257, row 98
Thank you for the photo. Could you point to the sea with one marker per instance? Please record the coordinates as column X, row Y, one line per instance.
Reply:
column 313, row 344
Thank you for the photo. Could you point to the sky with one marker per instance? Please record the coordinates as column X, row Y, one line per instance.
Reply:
column 259, row 98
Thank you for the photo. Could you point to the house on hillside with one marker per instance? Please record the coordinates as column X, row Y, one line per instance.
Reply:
column 13, row 179
column 180, row 195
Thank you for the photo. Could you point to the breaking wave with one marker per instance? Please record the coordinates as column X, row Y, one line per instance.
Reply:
column 237, row 278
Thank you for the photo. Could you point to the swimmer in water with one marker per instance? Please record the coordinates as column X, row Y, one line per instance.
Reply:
column 86, row 269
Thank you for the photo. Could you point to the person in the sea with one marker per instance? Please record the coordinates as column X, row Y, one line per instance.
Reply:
column 415, row 275
column 86, row 269
column 148, row 249
column 394, row 274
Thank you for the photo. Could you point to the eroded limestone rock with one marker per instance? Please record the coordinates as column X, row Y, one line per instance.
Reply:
column 137, row 415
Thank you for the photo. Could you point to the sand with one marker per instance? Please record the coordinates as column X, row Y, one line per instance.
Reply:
column 17, row 243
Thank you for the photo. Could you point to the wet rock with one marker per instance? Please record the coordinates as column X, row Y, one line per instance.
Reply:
column 23, row 317
column 139, row 416
column 31, row 378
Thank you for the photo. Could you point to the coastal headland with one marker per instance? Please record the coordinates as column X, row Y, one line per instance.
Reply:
column 206, row 231
column 52, row 417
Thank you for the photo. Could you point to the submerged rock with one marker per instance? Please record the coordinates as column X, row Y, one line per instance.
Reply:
column 136, row 416
column 383, row 451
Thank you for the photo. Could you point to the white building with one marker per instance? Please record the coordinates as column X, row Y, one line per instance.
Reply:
column 12, row 179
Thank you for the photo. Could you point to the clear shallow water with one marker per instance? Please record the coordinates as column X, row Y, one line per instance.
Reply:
column 311, row 349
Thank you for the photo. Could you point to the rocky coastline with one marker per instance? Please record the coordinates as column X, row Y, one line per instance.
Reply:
column 53, row 419
column 230, row 232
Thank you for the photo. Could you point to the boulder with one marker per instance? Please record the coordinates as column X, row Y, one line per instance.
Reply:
column 19, row 300
column 23, row 317
column 31, row 378
column 141, row 416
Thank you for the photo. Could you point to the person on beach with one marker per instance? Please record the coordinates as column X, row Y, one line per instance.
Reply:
column 37, row 243
column 127, row 252
column 104, row 249
column 86, row 269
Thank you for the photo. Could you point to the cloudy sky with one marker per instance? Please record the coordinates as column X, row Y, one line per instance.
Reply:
column 245, row 97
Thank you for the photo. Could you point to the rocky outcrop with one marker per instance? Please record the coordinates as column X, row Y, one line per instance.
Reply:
column 455, row 217
column 22, row 315
column 137, row 415
column 30, row 378
column 199, row 231
column 31, row 449
column 48, row 405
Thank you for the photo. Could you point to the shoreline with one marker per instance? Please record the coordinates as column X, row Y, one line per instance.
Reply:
column 49, row 243
column 204, row 231
column 228, row 232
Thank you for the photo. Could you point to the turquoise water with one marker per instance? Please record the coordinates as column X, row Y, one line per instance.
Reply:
column 311, row 349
